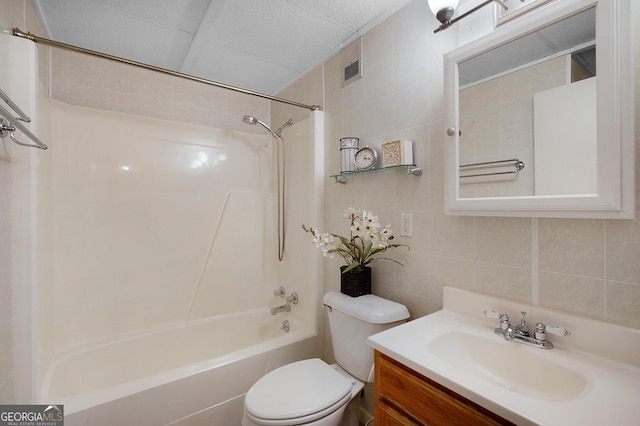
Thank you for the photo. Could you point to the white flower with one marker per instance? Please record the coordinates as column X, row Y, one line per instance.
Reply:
column 322, row 240
column 376, row 243
column 360, row 247
column 358, row 229
column 349, row 214
column 380, row 245
column 386, row 233
column 327, row 243
column 370, row 221
column 328, row 253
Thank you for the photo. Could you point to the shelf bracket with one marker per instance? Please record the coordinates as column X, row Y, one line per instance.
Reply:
column 414, row 170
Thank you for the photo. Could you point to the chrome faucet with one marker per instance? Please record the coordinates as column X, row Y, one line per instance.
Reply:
column 284, row 308
column 293, row 299
column 521, row 332
column 522, row 329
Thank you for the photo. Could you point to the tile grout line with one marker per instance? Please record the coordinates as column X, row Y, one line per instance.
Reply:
column 535, row 263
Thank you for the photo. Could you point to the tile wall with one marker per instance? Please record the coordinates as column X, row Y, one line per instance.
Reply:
column 13, row 13
column 87, row 81
column 587, row 267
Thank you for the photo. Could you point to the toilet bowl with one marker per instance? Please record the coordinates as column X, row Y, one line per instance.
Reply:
column 309, row 392
column 312, row 392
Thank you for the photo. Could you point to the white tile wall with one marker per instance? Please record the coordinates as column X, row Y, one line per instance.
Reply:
column 587, row 267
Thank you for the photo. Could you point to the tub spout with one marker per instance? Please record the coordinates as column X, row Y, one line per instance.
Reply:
column 284, row 308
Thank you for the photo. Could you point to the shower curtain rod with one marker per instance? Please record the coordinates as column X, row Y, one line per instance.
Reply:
column 19, row 33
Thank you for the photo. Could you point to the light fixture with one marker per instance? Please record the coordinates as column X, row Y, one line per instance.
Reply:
column 444, row 10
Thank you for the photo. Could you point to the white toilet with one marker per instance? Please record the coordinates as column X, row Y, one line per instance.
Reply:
column 312, row 392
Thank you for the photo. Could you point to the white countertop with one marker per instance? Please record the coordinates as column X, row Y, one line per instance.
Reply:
column 604, row 357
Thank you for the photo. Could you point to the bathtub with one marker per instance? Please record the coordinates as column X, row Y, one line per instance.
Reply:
column 193, row 373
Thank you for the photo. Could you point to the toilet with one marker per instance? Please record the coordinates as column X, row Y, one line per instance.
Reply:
column 312, row 392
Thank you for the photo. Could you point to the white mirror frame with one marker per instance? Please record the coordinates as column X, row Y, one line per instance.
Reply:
column 615, row 127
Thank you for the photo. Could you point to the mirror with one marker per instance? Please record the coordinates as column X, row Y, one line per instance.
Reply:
column 539, row 116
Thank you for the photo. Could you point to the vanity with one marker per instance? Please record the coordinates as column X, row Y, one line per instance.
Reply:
column 451, row 367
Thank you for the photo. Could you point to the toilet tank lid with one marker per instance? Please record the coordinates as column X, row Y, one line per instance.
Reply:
column 369, row 308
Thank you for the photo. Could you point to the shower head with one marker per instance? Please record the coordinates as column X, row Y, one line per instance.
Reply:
column 250, row 119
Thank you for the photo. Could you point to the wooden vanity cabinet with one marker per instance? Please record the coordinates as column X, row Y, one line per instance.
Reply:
column 405, row 397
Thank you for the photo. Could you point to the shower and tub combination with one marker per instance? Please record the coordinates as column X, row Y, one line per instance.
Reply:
column 155, row 261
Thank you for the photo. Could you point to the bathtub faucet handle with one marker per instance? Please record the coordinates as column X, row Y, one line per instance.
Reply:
column 293, row 298
column 279, row 292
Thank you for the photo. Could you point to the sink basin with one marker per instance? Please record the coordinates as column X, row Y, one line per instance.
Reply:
column 591, row 377
column 508, row 364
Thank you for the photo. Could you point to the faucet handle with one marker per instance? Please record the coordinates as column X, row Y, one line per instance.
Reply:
column 542, row 330
column 557, row 330
column 504, row 321
column 492, row 314
column 279, row 292
column 293, row 298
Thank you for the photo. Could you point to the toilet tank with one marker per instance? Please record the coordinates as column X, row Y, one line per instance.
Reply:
column 352, row 320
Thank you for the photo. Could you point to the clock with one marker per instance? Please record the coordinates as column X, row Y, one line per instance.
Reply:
column 365, row 158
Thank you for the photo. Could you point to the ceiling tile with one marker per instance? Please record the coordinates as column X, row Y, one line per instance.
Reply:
column 350, row 14
column 275, row 29
column 184, row 15
column 107, row 31
column 240, row 69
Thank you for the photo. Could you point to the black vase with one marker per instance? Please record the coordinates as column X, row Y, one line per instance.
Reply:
column 356, row 282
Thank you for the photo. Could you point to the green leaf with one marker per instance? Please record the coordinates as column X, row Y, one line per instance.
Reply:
column 352, row 266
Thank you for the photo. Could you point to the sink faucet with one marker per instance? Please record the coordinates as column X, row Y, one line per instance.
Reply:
column 521, row 332
column 522, row 329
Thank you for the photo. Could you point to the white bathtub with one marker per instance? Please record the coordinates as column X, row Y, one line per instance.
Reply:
column 190, row 374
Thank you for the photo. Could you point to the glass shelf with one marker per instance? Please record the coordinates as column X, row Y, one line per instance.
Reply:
column 412, row 169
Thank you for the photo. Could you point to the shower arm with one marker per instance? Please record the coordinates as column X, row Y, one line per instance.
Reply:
column 284, row 126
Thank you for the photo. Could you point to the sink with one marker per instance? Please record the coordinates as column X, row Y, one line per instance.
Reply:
column 510, row 365
column 589, row 378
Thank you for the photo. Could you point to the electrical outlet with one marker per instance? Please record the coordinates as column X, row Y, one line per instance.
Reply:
column 406, row 224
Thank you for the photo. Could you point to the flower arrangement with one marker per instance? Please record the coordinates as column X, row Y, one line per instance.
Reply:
column 365, row 242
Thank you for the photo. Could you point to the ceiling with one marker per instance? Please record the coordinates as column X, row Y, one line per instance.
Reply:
column 259, row 45
column 569, row 34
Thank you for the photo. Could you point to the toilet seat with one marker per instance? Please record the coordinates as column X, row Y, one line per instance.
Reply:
column 297, row 393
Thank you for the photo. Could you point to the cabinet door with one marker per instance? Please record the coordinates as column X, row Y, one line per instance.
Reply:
column 414, row 396
column 387, row 415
